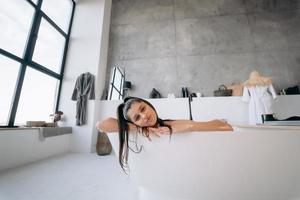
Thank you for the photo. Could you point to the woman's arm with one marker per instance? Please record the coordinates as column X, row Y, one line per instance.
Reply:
column 111, row 125
column 179, row 126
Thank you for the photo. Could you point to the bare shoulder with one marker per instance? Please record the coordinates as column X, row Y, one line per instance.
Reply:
column 108, row 125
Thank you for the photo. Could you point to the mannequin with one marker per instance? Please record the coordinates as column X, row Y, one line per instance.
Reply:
column 259, row 92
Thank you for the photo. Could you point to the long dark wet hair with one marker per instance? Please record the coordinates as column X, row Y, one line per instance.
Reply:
column 123, row 121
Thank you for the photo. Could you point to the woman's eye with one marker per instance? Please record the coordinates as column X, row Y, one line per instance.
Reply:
column 143, row 109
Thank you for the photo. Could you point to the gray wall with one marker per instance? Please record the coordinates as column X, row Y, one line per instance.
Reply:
column 200, row 44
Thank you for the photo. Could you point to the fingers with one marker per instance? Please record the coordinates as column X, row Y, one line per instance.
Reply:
column 163, row 130
column 223, row 120
column 153, row 132
column 159, row 131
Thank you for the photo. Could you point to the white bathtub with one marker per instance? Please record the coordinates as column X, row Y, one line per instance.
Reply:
column 247, row 164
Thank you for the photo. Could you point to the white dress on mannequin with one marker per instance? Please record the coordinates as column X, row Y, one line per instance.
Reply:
column 260, row 101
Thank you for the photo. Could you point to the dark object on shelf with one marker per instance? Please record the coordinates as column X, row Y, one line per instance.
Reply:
column 185, row 92
column 193, row 94
column 292, row 90
column 190, row 106
column 154, row 94
column 103, row 146
column 270, row 117
column 223, row 91
column 127, row 85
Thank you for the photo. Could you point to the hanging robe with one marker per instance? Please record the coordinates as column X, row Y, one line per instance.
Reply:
column 260, row 101
column 84, row 89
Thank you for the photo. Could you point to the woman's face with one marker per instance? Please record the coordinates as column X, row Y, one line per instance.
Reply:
column 142, row 114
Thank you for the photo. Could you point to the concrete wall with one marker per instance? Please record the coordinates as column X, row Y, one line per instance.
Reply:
column 87, row 53
column 203, row 43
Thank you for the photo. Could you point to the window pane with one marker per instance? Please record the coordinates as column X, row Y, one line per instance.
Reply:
column 9, row 70
column 115, row 94
column 38, row 97
column 61, row 14
column 15, row 23
column 118, row 79
column 49, row 47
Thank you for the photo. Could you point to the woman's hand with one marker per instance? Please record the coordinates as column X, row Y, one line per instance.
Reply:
column 222, row 125
column 159, row 131
column 155, row 131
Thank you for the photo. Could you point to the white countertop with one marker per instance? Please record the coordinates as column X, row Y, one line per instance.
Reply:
column 291, row 127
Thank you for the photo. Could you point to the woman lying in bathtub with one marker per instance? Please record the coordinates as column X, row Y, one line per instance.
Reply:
column 139, row 115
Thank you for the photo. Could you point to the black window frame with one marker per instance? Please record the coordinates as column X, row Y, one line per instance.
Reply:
column 113, row 87
column 26, row 60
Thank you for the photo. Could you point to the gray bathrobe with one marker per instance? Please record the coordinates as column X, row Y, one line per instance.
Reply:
column 84, row 89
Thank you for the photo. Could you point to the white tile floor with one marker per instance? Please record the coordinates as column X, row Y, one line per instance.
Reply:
column 68, row 177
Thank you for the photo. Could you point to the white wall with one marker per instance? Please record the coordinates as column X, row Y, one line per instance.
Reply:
column 19, row 147
column 100, row 82
column 87, row 53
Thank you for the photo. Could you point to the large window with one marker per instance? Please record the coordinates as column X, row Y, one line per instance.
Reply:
column 41, row 95
column 49, row 47
column 8, row 76
column 34, row 40
column 15, row 22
